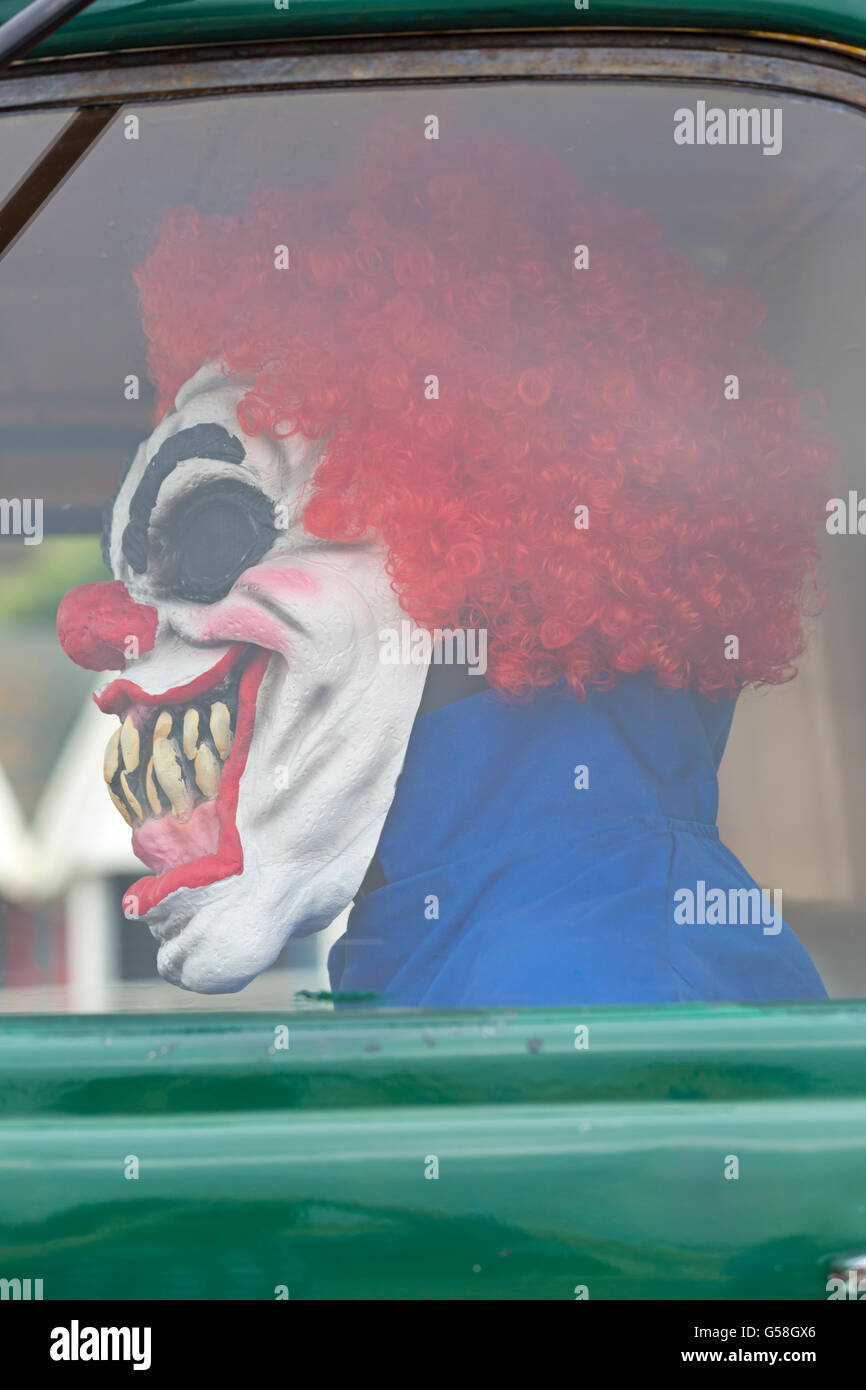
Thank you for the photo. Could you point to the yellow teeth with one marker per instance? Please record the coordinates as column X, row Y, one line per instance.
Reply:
column 120, row 806
column 190, row 733
column 112, row 757
column 207, row 771
column 145, row 767
column 134, row 803
column 130, row 744
column 150, row 790
column 169, row 774
column 221, row 728
column 162, row 727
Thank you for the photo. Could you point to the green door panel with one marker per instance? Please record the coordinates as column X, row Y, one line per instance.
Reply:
column 115, row 24
column 604, row 1166
column 530, row 1202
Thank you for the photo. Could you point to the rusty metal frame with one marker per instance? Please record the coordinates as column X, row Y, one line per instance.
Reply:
column 603, row 55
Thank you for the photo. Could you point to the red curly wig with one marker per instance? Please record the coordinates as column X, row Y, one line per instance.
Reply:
column 559, row 388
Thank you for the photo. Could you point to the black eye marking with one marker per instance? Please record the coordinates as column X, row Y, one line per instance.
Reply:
column 212, row 535
column 105, row 533
column 198, row 442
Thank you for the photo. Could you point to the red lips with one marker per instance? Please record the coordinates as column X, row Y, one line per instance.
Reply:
column 99, row 626
column 117, row 697
column 229, row 858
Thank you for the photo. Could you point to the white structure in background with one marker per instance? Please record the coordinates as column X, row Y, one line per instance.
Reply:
column 17, row 854
column 81, row 841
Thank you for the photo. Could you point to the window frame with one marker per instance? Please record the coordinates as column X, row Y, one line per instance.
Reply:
column 798, row 67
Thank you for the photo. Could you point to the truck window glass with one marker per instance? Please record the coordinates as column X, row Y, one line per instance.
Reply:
column 479, row 473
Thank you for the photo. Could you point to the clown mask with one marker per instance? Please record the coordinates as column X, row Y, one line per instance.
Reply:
column 260, row 736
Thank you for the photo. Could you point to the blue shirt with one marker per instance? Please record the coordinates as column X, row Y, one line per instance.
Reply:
column 507, row 884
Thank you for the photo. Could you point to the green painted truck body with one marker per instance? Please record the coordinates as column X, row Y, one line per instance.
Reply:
column 566, row 1158
column 111, row 25
column 372, row 1154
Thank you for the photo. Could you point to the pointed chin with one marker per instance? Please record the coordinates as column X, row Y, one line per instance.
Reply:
column 212, row 939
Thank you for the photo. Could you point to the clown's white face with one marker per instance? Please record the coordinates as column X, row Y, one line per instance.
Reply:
column 261, row 735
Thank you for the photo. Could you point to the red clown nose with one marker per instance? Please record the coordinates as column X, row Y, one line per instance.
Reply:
column 99, row 625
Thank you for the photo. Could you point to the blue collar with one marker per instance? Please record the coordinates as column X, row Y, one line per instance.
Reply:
column 482, row 771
